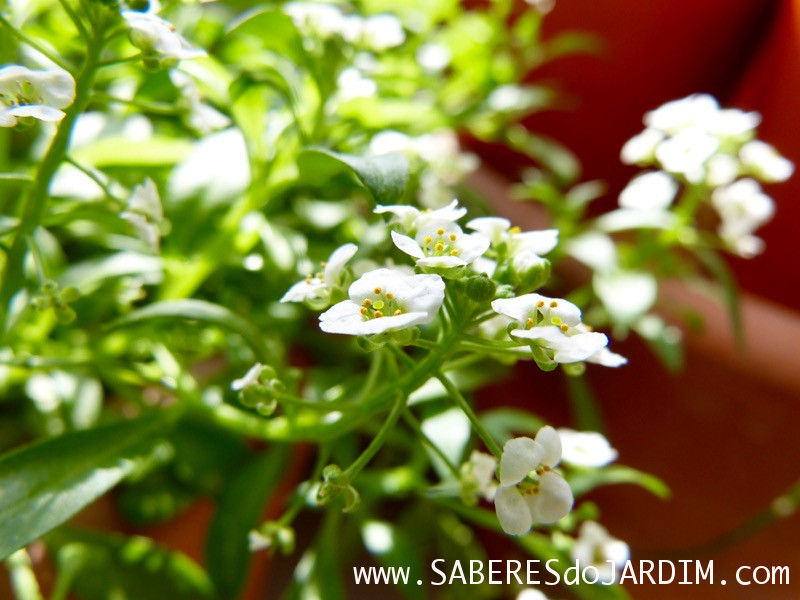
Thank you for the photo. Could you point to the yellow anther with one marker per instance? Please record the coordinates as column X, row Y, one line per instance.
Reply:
column 398, row 312
column 529, row 322
column 428, row 239
column 515, row 229
column 323, row 264
column 589, row 328
column 564, row 328
column 540, row 303
column 367, row 302
column 553, row 304
column 377, row 314
column 364, row 310
column 453, row 252
column 389, row 296
column 377, row 290
column 378, row 305
column 440, row 231
column 439, row 247
column 453, row 237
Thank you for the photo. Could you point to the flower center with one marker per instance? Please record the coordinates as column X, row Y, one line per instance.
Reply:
column 319, row 275
column 25, row 94
column 440, row 244
column 382, row 303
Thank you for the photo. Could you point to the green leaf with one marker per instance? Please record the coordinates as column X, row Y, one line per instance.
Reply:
column 586, row 480
column 197, row 310
column 547, row 152
column 273, row 28
column 238, row 511
column 99, row 566
column 730, row 290
column 44, row 484
column 384, row 176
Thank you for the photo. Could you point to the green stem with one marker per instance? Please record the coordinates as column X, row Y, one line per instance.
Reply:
column 35, row 204
column 160, row 108
column 26, row 39
column 96, row 178
column 84, row 33
column 376, row 443
column 462, row 403
column 489, row 350
column 38, row 262
column 372, row 376
column 23, row 579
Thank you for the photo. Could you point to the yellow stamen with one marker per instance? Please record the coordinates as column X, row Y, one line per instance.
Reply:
column 453, row 252
column 389, row 296
column 514, row 230
column 440, row 231
column 428, row 239
column 439, row 247
column 553, row 304
column 364, row 310
column 377, row 314
column 398, row 312
column 367, row 302
column 453, row 237
column 564, row 328
column 540, row 303
column 529, row 323
column 377, row 290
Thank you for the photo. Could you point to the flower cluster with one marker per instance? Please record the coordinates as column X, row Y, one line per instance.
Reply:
column 37, row 94
column 376, row 33
column 696, row 143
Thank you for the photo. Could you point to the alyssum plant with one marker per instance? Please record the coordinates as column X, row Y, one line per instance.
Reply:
column 161, row 197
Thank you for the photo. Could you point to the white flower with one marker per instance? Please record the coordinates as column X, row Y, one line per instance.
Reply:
column 37, row 94
column 317, row 288
column 320, row 20
column 585, row 448
column 649, row 191
column 765, row 162
column 433, row 57
column 202, row 117
column 594, row 249
column 478, row 475
column 410, row 219
column 157, row 37
column 626, row 295
column 442, row 244
column 144, row 212
column 385, row 300
column 250, row 379
column 553, row 324
column 352, row 84
column 524, row 498
column 641, row 148
column 501, row 233
column 381, row 32
column 721, row 169
column 686, row 152
column 258, row 541
column 596, row 547
column 693, row 111
column 743, row 208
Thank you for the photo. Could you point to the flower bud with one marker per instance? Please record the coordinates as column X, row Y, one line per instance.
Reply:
column 65, row 314
column 530, row 272
column 574, row 369
column 481, row 288
column 69, row 294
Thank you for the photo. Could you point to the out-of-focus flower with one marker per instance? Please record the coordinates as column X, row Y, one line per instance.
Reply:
column 385, row 300
column 764, row 162
column 654, row 190
column 585, row 448
column 37, row 94
column 144, row 212
column 743, row 207
column 477, row 476
column 597, row 548
column 530, row 490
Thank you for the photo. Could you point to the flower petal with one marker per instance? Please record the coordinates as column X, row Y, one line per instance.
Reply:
column 520, row 456
column 554, row 500
column 407, row 245
column 512, row 511
column 551, row 442
column 338, row 259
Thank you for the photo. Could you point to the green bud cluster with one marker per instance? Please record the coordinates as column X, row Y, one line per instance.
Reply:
column 336, row 486
column 51, row 296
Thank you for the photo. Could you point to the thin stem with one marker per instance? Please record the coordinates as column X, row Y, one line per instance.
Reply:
column 18, row 177
column 412, row 422
column 153, row 107
column 26, row 39
column 462, row 403
column 84, row 33
column 376, row 443
column 119, row 61
column 404, row 358
column 38, row 262
column 491, row 343
column 489, row 350
column 94, row 177
column 323, row 406
column 372, row 376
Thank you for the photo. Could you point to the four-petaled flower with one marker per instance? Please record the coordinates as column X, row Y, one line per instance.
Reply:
column 511, row 240
column 316, row 288
column 530, row 490
column 158, row 39
column 555, row 324
column 410, row 219
column 385, row 300
column 37, row 94
column 441, row 244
